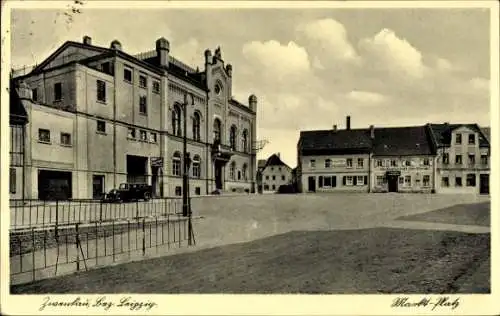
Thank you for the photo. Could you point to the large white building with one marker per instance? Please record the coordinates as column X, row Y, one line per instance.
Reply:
column 99, row 117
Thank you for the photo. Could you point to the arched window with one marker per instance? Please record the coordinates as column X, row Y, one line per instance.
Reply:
column 232, row 171
column 196, row 126
column 176, row 164
column 217, row 129
column 244, row 172
column 196, row 166
column 244, row 141
column 176, row 120
column 232, row 137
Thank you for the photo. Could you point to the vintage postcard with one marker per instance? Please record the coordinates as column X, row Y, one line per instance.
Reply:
column 219, row 158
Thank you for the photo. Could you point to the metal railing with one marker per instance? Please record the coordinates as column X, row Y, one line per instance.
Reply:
column 36, row 213
column 44, row 253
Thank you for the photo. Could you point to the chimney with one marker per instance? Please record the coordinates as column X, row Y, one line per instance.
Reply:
column 162, row 51
column 208, row 56
column 372, row 131
column 334, row 128
column 348, row 123
column 87, row 40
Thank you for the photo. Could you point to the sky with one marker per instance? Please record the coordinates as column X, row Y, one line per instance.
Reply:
column 309, row 68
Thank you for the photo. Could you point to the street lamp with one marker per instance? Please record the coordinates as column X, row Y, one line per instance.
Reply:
column 186, row 161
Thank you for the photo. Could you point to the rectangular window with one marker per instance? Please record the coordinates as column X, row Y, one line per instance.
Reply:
column 472, row 159
column 152, row 138
column 12, row 181
column 472, row 139
column 274, row 178
column 349, row 162
column 101, row 126
column 328, row 163
column 425, row 161
column 143, row 136
column 349, row 180
column 446, row 158
column 327, row 181
column 44, row 135
column 127, row 75
column 197, row 191
column 427, row 180
column 458, row 138
column 156, row 86
column 312, row 163
column 484, row 159
column 445, row 182
column 394, row 163
column 401, row 180
column 458, row 159
column 380, row 180
column 360, row 180
column 458, row 181
column 408, row 181
column 58, row 91
column 34, row 94
column 360, row 162
column 178, row 191
column 274, row 187
column 66, row 139
column 379, row 163
column 101, row 91
column 196, row 170
column 107, row 68
column 282, row 178
column 143, row 106
column 143, row 81
column 407, row 163
column 471, row 180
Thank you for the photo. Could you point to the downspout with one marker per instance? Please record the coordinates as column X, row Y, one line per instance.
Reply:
column 207, row 147
column 369, row 172
column 24, row 161
column 114, row 122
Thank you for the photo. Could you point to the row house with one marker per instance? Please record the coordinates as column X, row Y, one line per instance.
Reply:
column 274, row 174
column 429, row 158
column 99, row 117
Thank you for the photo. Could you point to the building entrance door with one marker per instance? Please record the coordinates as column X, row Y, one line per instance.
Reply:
column 312, row 184
column 392, row 182
column 97, row 186
column 218, row 176
column 154, row 181
column 484, row 184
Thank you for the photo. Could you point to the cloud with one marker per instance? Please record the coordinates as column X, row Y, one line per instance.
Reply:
column 366, row 97
column 329, row 37
column 277, row 59
column 480, row 84
column 387, row 52
column 189, row 52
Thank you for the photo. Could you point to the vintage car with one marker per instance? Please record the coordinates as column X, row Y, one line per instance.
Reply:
column 129, row 192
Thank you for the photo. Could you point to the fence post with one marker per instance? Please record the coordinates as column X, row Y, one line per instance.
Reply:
column 33, row 250
column 137, row 209
column 77, row 243
column 57, row 213
column 100, row 212
column 144, row 236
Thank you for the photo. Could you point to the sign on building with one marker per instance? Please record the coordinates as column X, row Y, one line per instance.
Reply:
column 156, row 161
column 338, row 163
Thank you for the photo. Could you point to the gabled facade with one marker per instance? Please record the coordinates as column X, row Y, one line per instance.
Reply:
column 275, row 173
column 122, row 117
column 463, row 158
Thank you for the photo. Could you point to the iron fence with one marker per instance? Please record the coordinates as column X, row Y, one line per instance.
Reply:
column 44, row 253
column 35, row 213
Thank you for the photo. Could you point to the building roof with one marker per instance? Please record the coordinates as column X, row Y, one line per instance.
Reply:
column 353, row 140
column 275, row 160
column 402, row 141
column 17, row 112
column 442, row 133
column 487, row 133
column 261, row 163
